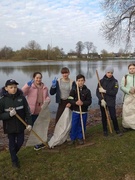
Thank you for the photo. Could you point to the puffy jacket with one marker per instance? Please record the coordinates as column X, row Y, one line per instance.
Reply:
column 85, row 97
column 56, row 90
column 111, row 87
column 127, row 82
column 19, row 102
column 31, row 93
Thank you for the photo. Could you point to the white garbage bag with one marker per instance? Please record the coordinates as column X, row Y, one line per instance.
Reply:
column 128, row 112
column 62, row 129
column 40, row 127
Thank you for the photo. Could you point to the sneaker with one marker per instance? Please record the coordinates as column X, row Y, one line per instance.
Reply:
column 80, row 142
column 16, row 164
column 125, row 129
column 71, row 142
column 39, row 146
column 119, row 133
column 105, row 133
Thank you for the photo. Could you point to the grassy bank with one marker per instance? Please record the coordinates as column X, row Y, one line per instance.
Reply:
column 109, row 158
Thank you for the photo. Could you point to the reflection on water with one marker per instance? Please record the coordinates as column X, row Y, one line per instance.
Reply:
column 22, row 72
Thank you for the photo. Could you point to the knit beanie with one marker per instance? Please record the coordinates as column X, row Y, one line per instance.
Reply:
column 109, row 69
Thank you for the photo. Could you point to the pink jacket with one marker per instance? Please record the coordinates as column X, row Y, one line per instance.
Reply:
column 31, row 93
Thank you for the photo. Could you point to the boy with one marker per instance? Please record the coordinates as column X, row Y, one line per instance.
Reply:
column 109, row 89
column 84, row 101
column 12, row 101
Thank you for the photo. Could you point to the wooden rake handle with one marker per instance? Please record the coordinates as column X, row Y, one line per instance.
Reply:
column 106, row 112
column 31, row 130
column 80, row 108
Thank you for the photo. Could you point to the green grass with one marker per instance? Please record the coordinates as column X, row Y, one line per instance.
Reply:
column 109, row 158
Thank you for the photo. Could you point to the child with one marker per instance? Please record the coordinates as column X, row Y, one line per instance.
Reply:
column 128, row 88
column 36, row 93
column 84, row 102
column 109, row 89
column 61, row 88
column 13, row 102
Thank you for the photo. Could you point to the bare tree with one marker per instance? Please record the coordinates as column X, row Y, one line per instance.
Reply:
column 94, row 49
column 119, row 24
column 33, row 45
column 89, row 46
column 6, row 52
column 79, row 48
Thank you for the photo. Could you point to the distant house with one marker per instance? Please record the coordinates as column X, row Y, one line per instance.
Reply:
column 72, row 55
column 116, row 55
column 84, row 56
column 132, row 55
column 93, row 56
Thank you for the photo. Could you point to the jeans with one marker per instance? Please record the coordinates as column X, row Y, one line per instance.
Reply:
column 15, row 142
column 34, row 117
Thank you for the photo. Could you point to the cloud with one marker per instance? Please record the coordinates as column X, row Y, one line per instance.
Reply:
column 58, row 22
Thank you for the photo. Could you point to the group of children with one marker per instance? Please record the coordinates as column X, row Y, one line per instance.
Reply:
column 72, row 94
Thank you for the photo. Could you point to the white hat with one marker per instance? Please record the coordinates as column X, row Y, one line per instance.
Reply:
column 109, row 69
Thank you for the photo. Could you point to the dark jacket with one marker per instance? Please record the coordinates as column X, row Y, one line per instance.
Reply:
column 17, row 101
column 56, row 90
column 85, row 97
column 111, row 87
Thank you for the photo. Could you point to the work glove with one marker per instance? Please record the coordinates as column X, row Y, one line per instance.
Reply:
column 102, row 90
column 132, row 90
column 29, row 127
column 103, row 103
column 30, row 82
column 12, row 112
column 54, row 82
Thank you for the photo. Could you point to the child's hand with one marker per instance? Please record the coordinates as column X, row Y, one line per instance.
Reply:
column 68, row 105
column 79, row 103
column 29, row 127
column 132, row 90
column 102, row 90
column 12, row 112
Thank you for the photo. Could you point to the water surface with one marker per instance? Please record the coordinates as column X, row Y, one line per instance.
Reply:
column 22, row 73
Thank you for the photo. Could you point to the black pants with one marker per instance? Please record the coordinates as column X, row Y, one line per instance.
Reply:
column 112, row 112
column 60, row 109
column 15, row 142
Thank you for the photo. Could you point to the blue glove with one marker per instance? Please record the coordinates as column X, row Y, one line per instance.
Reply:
column 30, row 82
column 54, row 82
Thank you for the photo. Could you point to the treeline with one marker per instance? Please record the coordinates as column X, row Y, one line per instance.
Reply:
column 33, row 51
column 30, row 51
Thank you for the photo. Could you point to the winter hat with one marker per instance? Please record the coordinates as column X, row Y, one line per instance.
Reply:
column 109, row 69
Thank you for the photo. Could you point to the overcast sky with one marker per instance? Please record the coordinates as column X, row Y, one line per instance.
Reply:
column 59, row 23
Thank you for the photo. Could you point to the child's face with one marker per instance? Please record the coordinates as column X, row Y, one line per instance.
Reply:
column 80, row 82
column 11, row 89
column 38, row 79
column 131, row 69
column 65, row 75
column 109, row 74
